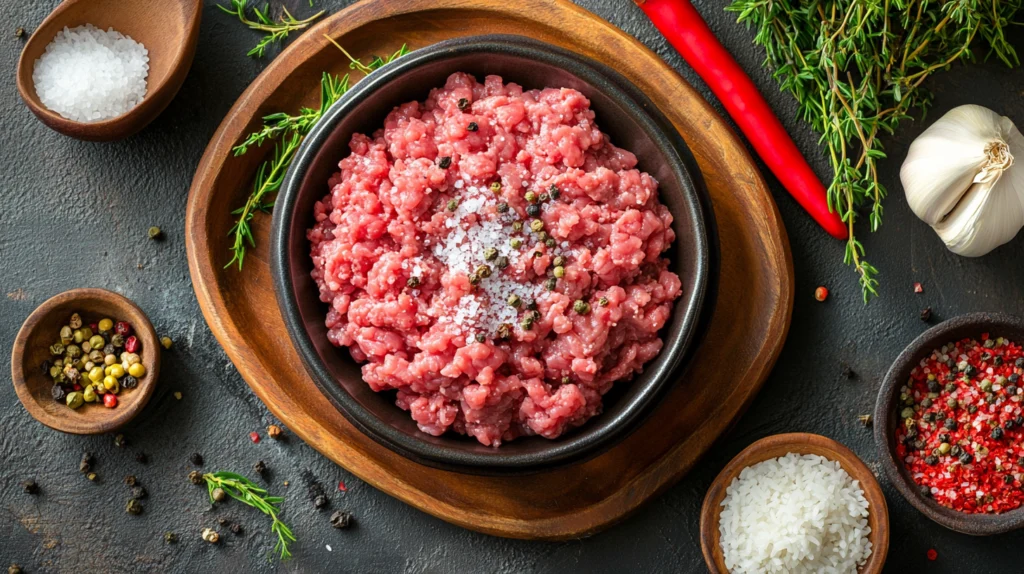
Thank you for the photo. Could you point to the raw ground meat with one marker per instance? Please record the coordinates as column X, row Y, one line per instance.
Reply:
column 400, row 241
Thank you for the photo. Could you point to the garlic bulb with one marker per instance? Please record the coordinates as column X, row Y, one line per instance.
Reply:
column 960, row 179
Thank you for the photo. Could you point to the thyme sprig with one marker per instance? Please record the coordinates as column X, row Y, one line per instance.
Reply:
column 289, row 131
column 247, row 492
column 856, row 69
column 276, row 32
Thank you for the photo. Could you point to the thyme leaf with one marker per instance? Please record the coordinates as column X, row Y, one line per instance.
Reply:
column 856, row 69
column 249, row 493
column 276, row 32
column 288, row 131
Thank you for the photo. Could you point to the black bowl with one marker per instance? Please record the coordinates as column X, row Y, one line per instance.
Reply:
column 632, row 121
column 970, row 326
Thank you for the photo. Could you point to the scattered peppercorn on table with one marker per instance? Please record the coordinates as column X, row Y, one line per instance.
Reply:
column 79, row 214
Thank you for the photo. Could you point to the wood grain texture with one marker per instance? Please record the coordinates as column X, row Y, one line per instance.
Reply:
column 755, row 295
column 800, row 443
column 169, row 30
column 42, row 329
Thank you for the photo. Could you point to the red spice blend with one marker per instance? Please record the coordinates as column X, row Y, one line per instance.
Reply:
column 962, row 437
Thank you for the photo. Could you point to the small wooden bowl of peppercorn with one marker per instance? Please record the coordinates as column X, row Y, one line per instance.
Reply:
column 68, row 385
column 959, row 423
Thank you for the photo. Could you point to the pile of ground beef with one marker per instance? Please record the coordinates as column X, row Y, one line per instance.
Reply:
column 493, row 258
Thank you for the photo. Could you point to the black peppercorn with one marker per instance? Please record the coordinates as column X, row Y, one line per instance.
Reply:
column 928, row 417
column 1008, row 425
column 1011, row 390
column 956, row 450
column 971, row 370
column 45, row 367
column 931, row 460
column 1008, row 478
column 1014, row 378
column 926, row 491
column 1019, row 363
column 58, row 393
column 129, row 382
column 472, row 127
column 926, row 314
column 997, row 433
column 140, row 457
column 533, row 210
column 950, row 424
column 944, row 437
column 236, row 528
column 139, row 493
column 1018, row 420
column 320, row 501
column 502, row 207
column 918, row 444
column 196, row 459
column 86, row 464
column 997, row 361
column 223, row 521
column 463, row 103
column 260, row 467
column 934, row 387
column 972, row 409
column 966, row 458
column 30, row 487
column 341, row 519
column 445, row 162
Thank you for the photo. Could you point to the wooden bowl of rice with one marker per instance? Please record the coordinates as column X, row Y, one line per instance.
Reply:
column 800, row 444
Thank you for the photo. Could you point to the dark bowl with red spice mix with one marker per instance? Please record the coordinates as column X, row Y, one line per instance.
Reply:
column 949, row 423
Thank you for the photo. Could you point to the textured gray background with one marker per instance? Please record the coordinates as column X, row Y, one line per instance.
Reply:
column 75, row 214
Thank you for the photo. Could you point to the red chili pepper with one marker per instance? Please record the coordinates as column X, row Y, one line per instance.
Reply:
column 684, row 28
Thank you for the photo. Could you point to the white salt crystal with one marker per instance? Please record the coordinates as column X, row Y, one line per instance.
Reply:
column 90, row 75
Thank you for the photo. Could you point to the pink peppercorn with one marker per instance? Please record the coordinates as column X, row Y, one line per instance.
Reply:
column 110, row 400
column 918, row 288
column 254, row 436
column 131, row 344
column 342, row 487
column 932, row 554
column 123, row 328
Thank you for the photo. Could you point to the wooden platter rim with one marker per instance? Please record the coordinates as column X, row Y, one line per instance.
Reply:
column 629, row 495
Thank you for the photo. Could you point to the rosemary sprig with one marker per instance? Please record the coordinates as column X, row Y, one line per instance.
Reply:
column 276, row 32
column 856, row 68
column 289, row 130
column 247, row 492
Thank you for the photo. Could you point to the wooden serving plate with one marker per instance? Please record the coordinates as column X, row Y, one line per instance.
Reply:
column 800, row 443
column 754, row 298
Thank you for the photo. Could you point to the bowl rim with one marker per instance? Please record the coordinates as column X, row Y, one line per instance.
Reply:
column 885, row 415
column 799, row 443
column 695, row 201
column 109, row 419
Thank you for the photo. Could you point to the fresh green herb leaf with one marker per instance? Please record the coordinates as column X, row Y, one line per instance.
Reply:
column 276, row 32
column 247, row 492
column 856, row 69
column 288, row 131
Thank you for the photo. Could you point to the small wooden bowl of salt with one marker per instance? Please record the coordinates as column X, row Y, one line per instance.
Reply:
column 163, row 36
column 777, row 448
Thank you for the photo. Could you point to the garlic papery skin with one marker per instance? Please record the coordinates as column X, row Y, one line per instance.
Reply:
column 959, row 177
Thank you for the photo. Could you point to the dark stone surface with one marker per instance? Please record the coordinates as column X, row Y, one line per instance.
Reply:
column 75, row 214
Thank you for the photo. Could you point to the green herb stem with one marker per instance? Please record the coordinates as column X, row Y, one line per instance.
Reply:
column 856, row 67
column 276, row 32
column 288, row 131
column 247, row 492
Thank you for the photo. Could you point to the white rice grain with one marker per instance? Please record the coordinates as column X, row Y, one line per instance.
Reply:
column 794, row 514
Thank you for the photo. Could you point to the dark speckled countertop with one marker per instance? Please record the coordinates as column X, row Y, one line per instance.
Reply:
column 75, row 214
